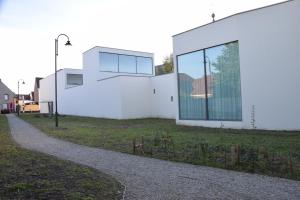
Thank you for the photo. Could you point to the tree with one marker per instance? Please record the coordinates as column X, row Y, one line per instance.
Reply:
column 226, row 71
column 226, row 86
column 168, row 64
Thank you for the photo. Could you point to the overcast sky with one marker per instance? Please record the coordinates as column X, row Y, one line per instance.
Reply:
column 28, row 29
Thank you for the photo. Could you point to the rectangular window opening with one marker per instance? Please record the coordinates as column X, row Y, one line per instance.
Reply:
column 121, row 63
column 209, row 86
column 74, row 79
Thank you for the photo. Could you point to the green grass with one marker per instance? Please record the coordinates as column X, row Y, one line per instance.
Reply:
column 26, row 174
column 118, row 135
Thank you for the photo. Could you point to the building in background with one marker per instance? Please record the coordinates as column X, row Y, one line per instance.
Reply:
column 36, row 89
column 241, row 71
column 114, row 83
column 7, row 99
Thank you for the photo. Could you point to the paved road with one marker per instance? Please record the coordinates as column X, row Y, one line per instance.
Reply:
column 147, row 178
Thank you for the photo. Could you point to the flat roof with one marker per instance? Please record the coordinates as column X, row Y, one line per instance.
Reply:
column 61, row 70
column 116, row 49
column 247, row 11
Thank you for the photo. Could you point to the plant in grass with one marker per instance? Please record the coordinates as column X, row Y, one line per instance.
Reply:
column 157, row 139
column 204, row 152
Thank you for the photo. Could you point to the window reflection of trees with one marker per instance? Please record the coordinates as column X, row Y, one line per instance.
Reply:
column 223, row 84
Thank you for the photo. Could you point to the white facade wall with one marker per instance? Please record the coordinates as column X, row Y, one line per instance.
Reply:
column 165, row 89
column 111, row 94
column 46, row 92
column 101, row 100
column 269, row 48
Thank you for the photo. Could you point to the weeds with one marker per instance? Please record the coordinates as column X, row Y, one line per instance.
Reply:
column 236, row 157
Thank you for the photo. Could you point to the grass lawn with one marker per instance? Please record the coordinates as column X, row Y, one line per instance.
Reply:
column 26, row 174
column 266, row 152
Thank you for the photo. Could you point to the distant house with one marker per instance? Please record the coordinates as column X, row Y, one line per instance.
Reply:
column 6, row 98
column 36, row 89
column 27, row 104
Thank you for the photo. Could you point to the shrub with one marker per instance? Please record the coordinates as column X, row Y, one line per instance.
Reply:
column 5, row 111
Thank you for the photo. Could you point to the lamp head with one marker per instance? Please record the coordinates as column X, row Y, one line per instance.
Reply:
column 23, row 82
column 68, row 43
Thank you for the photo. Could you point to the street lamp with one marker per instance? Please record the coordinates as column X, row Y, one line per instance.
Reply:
column 23, row 82
column 68, row 43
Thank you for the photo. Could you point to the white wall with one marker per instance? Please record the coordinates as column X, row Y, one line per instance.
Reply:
column 135, row 95
column 102, row 99
column 109, row 94
column 46, row 92
column 165, row 88
column 47, row 89
column 269, row 46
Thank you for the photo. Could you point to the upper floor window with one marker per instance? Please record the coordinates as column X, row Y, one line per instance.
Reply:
column 127, row 64
column 144, row 65
column 111, row 62
column 6, row 97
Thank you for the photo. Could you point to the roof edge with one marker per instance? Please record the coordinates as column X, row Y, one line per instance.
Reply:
column 7, row 87
column 60, row 70
column 117, row 49
column 233, row 16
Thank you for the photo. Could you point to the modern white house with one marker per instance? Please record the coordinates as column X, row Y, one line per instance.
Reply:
column 113, row 83
column 242, row 71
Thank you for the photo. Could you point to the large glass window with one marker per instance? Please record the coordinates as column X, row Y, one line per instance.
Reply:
column 108, row 62
column 223, row 73
column 112, row 62
column 192, row 102
column 216, row 80
column 127, row 64
column 144, row 65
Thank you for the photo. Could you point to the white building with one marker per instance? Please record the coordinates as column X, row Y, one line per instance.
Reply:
column 242, row 71
column 113, row 83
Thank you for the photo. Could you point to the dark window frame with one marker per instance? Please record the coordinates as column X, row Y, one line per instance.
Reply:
column 205, row 75
column 73, row 84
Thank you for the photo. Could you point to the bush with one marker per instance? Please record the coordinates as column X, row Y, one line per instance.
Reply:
column 5, row 111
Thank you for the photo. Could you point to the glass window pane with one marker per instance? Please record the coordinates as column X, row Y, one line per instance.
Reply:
column 192, row 102
column 144, row 65
column 127, row 64
column 108, row 62
column 223, row 80
column 74, row 79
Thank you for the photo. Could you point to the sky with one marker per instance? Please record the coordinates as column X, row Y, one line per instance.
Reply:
column 28, row 30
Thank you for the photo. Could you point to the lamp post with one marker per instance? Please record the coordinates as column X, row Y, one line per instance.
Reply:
column 68, row 43
column 23, row 82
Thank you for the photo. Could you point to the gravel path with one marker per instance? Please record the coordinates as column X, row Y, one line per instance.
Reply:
column 147, row 178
